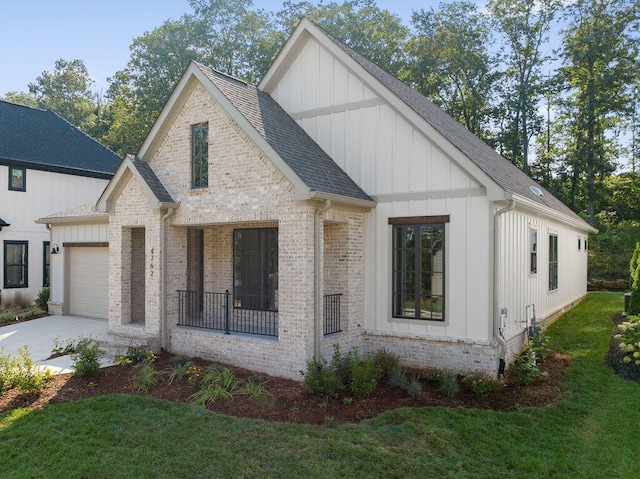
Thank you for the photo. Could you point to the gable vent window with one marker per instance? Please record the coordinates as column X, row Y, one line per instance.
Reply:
column 200, row 155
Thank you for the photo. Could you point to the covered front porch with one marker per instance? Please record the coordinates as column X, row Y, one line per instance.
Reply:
column 234, row 283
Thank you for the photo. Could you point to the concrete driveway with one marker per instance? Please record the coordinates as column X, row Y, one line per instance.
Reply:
column 39, row 336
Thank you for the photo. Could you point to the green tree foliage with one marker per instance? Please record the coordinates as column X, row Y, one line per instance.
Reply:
column 378, row 35
column 601, row 61
column 449, row 62
column 21, row 98
column 67, row 91
column 526, row 27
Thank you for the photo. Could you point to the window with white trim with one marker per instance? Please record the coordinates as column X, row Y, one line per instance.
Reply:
column 533, row 251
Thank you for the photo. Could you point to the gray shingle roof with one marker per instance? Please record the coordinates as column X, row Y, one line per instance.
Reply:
column 503, row 172
column 157, row 188
column 40, row 139
column 305, row 157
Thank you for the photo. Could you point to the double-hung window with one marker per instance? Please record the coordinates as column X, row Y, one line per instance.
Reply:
column 200, row 155
column 553, row 262
column 16, row 264
column 418, row 281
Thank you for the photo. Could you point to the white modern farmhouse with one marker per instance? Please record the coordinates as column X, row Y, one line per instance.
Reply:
column 46, row 164
column 259, row 226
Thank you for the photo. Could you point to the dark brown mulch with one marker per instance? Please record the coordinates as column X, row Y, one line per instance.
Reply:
column 292, row 402
column 628, row 371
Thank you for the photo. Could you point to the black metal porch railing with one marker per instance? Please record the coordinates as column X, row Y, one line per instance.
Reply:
column 332, row 313
column 226, row 312
column 238, row 313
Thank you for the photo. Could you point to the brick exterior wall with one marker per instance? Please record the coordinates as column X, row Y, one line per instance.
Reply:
column 246, row 190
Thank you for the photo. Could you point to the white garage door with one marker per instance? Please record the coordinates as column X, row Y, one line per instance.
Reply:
column 89, row 282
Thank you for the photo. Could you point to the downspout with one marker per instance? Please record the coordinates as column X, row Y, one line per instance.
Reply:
column 163, row 280
column 498, row 325
column 317, row 315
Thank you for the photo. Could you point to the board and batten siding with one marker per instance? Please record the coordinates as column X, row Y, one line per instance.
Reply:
column 409, row 175
column 519, row 287
column 379, row 149
column 46, row 193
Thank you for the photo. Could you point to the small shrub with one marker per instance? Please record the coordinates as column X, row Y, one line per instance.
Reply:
column 319, row 378
column 629, row 337
column 539, row 344
column 32, row 312
column 525, row 367
column 135, row 355
column 387, row 361
column 180, row 359
column 364, row 377
column 481, row 384
column 24, row 375
column 449, row 385
column 433, row 374
column 42, row 300
column 343, row 365
column 6, row 376
column 396, row 378
column 145, row 376
column 414, row 388
column 86, row 358
column 347, row 401
column 8, row 316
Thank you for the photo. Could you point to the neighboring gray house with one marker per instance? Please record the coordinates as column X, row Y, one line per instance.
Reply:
column 332, row 203
column 46, row 164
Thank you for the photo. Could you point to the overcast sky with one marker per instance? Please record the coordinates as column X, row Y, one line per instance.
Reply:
column 36, row 33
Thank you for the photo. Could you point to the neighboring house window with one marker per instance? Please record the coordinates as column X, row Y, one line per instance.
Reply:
column 553, row 262
column 16, row 264
column 418, row 267
column 533, row 252
column 200, row 155
column 17, row 178
column 46, row 262
column 255, row 268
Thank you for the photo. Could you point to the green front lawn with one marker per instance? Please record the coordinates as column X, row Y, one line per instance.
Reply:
column 592, row 433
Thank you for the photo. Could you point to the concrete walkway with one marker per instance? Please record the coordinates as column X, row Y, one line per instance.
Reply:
column 39, row 335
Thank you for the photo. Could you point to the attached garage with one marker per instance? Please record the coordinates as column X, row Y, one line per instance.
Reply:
column 88, row 288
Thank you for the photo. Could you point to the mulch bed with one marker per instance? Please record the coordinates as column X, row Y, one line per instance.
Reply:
column 292, row 402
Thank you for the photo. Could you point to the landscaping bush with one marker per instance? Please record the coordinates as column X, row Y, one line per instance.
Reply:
column 481, row 384
column 364, row 377
column 145, row 376
column 42, row 300
column 86, row 357
column 525, row 367
column 19, row 372
column 320, row 378
column 135, row 355
column 629, row 337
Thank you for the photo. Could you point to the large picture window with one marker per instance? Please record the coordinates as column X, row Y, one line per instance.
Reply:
column 419, row 267
column 16, row 264
column 255, row 268
column 200, row 155
column 553, row 262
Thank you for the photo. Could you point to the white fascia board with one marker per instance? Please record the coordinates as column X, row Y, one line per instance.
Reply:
column 67, row 220
column 526, row 204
